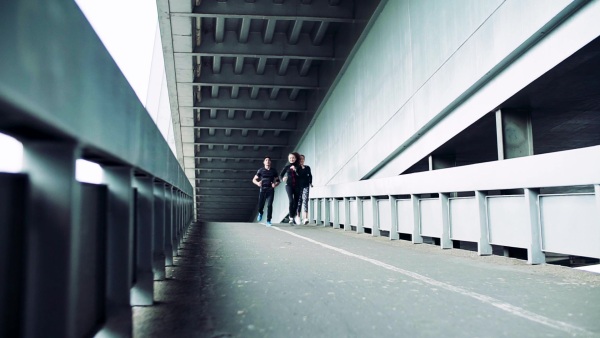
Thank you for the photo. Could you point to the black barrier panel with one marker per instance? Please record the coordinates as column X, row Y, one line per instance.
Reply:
column 91, row 267
column 13, row 193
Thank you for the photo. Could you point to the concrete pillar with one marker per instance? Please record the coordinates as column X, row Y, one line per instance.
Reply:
column 327, row 211
column 119, row 253
column 336, row 213
column 143, row 290
column 13, row 208
column 318, row 206
column 375, row 229
column 51, row 234
column 445, row 241
column 359, row 222
column 168, row 245
column 535, row 255
column 347, row 226
column 483, row 246
column 394, row 209
column 441, row 161
column 158, row 247
column 416, row 235
column 514, row 133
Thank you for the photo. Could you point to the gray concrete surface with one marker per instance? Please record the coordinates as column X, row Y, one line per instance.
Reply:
column 247, row 280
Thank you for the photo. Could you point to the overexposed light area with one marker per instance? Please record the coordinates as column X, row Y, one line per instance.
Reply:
column 590, row 268
column 11, row 154
column 89, row 172
column 126, row 29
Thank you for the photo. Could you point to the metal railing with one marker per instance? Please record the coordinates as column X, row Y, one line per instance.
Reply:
column 76, row 256
column 501, row 203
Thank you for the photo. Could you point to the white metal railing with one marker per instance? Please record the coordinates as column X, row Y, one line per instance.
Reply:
column 567, row 223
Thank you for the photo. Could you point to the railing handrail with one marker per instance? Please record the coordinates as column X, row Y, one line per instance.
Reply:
column 564, row 168
column 58, row 80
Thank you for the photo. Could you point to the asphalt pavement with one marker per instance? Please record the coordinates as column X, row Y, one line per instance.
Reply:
column 249, row 280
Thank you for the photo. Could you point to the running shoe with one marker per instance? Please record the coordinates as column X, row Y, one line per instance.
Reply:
column 268, row 223
column 259, row 217
column 297, row 219
column 305, row 221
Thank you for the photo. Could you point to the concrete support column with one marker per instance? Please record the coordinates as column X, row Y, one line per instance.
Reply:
column 416, row 235
column 143, row 290
column 375, row 229
column 347, row 226
column 319, row 216
column 51, row 234
column 327, row 211
column 13, row 208
column 394, row 210
column 445, row 241
column 535, row 255
column 168, row 245
column 311, row 209
column 158, row 245
column 360, row 221
column 483, row 246
column 336, row 214
column 119, row 253
column 514, row 135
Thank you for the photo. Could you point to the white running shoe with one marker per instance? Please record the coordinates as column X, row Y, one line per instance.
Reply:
column 297, row 220
column 305, row 221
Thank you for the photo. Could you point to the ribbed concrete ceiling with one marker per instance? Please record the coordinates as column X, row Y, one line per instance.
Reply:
column 245, row 79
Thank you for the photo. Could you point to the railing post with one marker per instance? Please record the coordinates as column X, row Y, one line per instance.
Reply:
column 336, row 214
column 416, row 235
column 375, row 211
column 158, row 250
column 445, row 241
column 168, row 245
column 318, row 211
column 52, row 239
column 327, row 212
column 143, row 290
column 483, row 246
column 311, row 209
column 119, row 250
column 359, row 222
column 394, row 227
column 347, row 226
column 535, row 255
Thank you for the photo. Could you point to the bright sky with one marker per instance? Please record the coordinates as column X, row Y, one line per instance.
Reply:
column 127, row 28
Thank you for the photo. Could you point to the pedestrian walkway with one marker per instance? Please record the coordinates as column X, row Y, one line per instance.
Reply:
column 248, row 280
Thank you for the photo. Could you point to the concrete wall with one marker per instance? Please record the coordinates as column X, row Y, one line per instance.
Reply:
column 408, row 87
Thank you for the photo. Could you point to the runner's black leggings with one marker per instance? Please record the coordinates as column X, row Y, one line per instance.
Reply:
column 293, row 197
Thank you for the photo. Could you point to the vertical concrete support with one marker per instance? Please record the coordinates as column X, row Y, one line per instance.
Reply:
column 311, row 209
column 360, row 221
column 119, row 250
column 168, row 245
column 375, row 231
column 514, row 133
column 13, row 208
column 535, row 255
column 441, row 161
column 319, row 216
column 52, row 237
column 483, row 247
column 336, row 214
column 158, row 246
column 347, row 226
column 416, row 235
column 445, row 241
column 327, row 211
column 394, row 210
column 143, row 290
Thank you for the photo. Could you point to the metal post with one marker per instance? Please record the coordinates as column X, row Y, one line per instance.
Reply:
column 394, row 209
column 445, row 241
column 535, row 255
column 359, row 222
column 416, row 235
column 143, row 289
column 375, row 211
column 483, row 247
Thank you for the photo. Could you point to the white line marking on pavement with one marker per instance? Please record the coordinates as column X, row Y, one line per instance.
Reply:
column 515, row 310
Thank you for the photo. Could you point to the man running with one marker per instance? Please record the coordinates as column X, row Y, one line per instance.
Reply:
column 267, row 179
